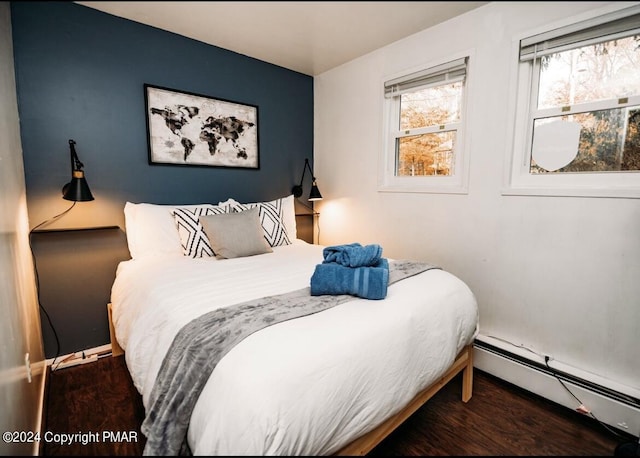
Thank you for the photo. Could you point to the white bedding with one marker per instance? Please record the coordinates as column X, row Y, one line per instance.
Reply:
column 308, row 386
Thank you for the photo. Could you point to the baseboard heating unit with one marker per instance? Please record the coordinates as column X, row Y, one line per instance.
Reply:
column 612, row 404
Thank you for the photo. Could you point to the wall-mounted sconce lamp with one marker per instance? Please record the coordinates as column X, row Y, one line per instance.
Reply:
column 315, row 192
column 77, row 189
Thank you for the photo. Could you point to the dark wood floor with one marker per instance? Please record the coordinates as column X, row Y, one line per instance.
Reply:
column 500, row 419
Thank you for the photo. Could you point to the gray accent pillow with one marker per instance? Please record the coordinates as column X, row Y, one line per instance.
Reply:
column 235, row 235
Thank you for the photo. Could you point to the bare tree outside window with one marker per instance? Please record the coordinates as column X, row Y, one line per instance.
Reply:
column 431, row 110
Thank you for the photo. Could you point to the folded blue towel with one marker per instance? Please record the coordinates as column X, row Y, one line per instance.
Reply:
column 367, row 282
column 353, row 254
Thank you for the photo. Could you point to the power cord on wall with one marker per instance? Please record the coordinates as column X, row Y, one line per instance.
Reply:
column 37, row 277
column 317, row 215
column 581, row 407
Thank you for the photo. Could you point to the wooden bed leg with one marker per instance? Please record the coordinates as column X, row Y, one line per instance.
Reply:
column 467, row 376
column 116, row 349
column 364, row 444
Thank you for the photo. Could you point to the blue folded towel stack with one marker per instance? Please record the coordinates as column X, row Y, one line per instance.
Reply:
column 352, row 269
column 353, row 254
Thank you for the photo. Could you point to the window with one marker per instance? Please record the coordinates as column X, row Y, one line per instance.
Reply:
column 578, row 131
column 424, row 113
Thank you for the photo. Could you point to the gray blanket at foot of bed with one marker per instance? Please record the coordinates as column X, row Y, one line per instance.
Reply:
column 201, row 344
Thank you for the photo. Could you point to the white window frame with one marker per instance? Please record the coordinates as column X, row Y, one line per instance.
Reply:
column 518, row 179
column 456, row 183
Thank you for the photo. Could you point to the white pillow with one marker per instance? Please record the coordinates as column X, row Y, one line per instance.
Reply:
column 288, row 213
column 151, row 229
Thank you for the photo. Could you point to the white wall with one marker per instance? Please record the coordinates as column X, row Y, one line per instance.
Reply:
column 20, row 401
column 559, row 275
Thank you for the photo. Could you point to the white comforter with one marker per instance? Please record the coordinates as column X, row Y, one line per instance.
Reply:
column 308, row 386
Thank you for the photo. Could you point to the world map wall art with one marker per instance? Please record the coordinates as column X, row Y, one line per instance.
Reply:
column 191, row 129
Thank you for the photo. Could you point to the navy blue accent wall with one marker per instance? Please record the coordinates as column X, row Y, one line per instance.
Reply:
column 80, row 75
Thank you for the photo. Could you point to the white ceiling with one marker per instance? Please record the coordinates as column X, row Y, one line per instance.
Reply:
column 308, row 37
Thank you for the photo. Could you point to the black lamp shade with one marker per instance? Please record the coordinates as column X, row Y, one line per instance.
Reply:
column 315, row 192
column 77, row 189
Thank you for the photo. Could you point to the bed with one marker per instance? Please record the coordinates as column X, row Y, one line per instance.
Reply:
column 327, row 383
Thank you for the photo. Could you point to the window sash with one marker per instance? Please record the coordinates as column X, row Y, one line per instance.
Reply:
column 518, row 179
column 454, row 126
column 435, row 76
column 607, row 27
column 577, row 108
column 456, row 181
column 450, row 156
column 534, row 65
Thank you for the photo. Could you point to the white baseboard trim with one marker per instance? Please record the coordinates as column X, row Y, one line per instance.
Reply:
column 91, row 354
column 619, row 414
column 73, row 359
column 40, row 414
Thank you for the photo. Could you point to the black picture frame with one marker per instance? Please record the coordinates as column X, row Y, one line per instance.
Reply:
column 188, row 129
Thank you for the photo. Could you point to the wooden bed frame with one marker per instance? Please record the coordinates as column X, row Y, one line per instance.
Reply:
column 364, row 444
column 116, row 349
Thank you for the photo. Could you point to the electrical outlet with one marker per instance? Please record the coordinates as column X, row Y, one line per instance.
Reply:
column 27, row 363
